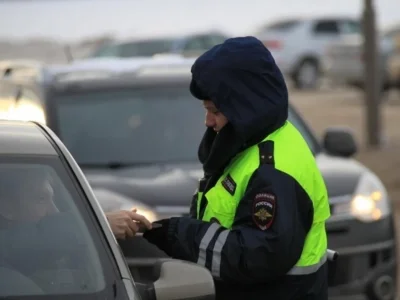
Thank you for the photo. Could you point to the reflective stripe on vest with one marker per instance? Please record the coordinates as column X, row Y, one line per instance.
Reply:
column 222, row 205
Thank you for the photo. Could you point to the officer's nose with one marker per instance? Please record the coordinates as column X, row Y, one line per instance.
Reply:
column 210, row 120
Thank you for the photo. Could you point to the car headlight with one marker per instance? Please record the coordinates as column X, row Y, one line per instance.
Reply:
column 370, row 200
column 111, row 201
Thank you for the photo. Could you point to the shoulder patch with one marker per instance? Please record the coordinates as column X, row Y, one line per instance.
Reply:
column 229, row 184
column 264, row 209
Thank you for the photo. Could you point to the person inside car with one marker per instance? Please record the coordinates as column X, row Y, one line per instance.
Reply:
column 29, row 218
column 36, row 236
column 33, row 200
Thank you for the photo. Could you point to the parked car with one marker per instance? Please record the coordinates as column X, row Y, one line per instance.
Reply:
column 135, row 135
column 69, row 252
column 344, row 61
column 298, row 44
column 188, row 45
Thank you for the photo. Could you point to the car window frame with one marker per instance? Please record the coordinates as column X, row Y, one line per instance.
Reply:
column 91, row 213
column 112, row 276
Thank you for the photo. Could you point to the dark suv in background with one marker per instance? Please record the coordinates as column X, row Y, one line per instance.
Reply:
column 133, row 127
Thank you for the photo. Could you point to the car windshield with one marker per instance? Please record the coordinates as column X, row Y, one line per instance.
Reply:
column 131, row 126
column 134, row 127
column 47, row 248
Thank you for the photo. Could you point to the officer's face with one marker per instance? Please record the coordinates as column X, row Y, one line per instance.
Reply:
column 214, row 118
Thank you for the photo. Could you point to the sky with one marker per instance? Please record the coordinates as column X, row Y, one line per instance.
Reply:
column 70, row 20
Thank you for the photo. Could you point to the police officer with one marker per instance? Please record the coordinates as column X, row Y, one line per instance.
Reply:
column 258, row 217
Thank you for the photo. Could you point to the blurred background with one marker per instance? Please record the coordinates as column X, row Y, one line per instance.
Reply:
column 341, row 58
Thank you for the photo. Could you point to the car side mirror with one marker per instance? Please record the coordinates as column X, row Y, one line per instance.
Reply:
column 339, row 141
column 175, row 280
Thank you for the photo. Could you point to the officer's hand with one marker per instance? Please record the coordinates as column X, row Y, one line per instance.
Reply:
column 123, row 223
column 159, row 235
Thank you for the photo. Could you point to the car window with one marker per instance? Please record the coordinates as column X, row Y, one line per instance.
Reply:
column 107, row 51
column 131, row 126
column 28, row 107
column 49, row 246
column 329, row 27
column 146, row 48
column 350, row 27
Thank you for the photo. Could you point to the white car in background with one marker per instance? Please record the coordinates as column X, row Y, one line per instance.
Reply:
column 298, row 44
column 344, row 59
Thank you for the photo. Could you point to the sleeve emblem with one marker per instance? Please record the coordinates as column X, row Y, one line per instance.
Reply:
column 264, row 209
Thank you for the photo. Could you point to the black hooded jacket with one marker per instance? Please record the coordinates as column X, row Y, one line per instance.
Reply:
column 241, row 78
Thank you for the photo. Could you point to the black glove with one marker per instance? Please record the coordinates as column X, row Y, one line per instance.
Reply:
column 159, row 236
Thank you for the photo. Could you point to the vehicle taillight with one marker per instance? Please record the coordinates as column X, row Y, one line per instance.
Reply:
column 273, row 44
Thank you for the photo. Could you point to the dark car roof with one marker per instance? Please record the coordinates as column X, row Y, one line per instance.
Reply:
column 97, row 74
column 23, row 138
